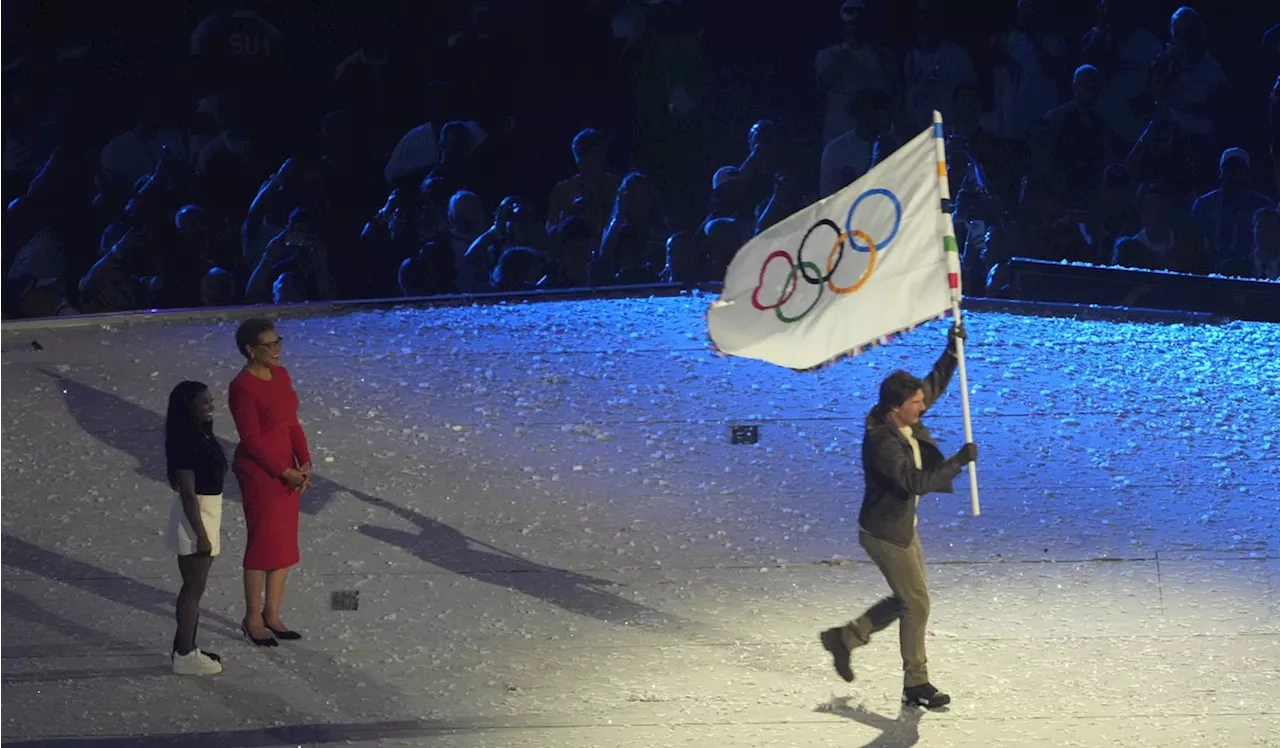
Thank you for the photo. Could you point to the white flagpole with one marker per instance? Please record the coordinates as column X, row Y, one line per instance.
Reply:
column 953, row 278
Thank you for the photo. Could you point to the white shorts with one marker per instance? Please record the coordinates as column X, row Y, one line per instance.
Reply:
column 181, row 539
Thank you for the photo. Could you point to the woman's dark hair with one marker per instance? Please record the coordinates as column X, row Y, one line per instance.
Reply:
column 184, row 433
column 519, row 269
column 897, row 388
column 249, row 332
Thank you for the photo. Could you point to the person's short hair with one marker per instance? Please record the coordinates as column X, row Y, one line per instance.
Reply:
column 217, row 287
column 1265, row 213
column 1116, row 176
column 249, row 331
column 457, row 126
column 1127, row 252
column 1151, row 189
column 517, row 268
column 1083, row 70
column 899, row 387
column 587, row 140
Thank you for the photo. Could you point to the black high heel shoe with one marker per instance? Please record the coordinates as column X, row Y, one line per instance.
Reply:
column 270, row 641
column 284, row 634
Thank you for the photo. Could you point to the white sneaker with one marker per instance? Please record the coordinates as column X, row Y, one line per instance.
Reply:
column 195, row 662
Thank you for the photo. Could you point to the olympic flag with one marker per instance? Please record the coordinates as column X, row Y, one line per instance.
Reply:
column 877, row 258
column 845, row 272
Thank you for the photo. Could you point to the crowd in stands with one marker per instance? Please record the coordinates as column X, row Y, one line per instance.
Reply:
column 572, row 143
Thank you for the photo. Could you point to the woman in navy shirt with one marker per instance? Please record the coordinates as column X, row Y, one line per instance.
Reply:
column 196, row 466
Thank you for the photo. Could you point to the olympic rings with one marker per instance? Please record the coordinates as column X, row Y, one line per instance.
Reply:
column 831, row 269
column 791, row 280
column 786, row 296
column 897, row 218
column 812, row 274
column 837, row 251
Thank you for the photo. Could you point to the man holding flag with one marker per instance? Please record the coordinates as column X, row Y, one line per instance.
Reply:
column 845, row 274
column 901, row 462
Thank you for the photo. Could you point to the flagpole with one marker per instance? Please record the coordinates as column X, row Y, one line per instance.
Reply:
column 953, row 278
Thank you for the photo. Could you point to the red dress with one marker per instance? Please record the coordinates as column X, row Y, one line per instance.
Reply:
column 271, row 441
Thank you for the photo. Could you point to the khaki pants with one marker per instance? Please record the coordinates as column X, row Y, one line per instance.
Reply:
column 903, row 569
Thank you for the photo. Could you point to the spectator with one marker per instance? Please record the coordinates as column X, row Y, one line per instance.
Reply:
column 36, row 122
column 521, row 269
column 300, row 249
column 1124, row 52
column 1274, row 136
column 227, row 165
column 720, row 240
column 481, row 59
column 218, row 288
column 466, row 223
column 457, row 145
column 1113, row 210
column 387, row 239
column 1225, row 215
column 345, row 187
column 572, row 241
column 687, row 262
column 589, row 193
column 848, row 156
column 1271, row 53
column 766, row 159
column 730, row 197
column 419, row 150
column 136, row 152
column 290, row 288
column 1080, row 135
column 635, row 236
column 1187, row 78
column 295, row 184
column 513, row 225
column 1128, row 252
column 1030, row 60
column 1163, row 243
column 979, row 162
column 362, row 81
column 234, row 49
column 664, row 60
column 429, row 271
column 785, row 201
column 1042, row 162
column 37, row 224
column 143, row 269
column 1266, row 244
column 935, row 67
column 1163, row 154
column 854, row 65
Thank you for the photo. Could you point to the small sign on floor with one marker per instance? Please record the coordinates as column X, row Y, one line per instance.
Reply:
column 745, row 434
column 345, row 600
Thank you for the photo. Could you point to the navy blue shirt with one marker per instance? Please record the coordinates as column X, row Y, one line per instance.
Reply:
column 204, row 458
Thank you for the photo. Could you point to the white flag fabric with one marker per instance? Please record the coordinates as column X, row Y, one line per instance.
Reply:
column 845, row 272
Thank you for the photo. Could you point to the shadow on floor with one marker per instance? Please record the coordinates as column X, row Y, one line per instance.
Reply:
column 29, row 615
column 19, row 554
column 307, row 734
column 262, row 703
column 139, row 433
column 441, row 545
column 902, row 732
column 102, row 414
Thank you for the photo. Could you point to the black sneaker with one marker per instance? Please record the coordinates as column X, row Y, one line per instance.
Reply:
column 925, row 695
column 833, row 642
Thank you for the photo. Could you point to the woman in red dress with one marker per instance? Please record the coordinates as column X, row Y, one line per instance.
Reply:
column 273, row 467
